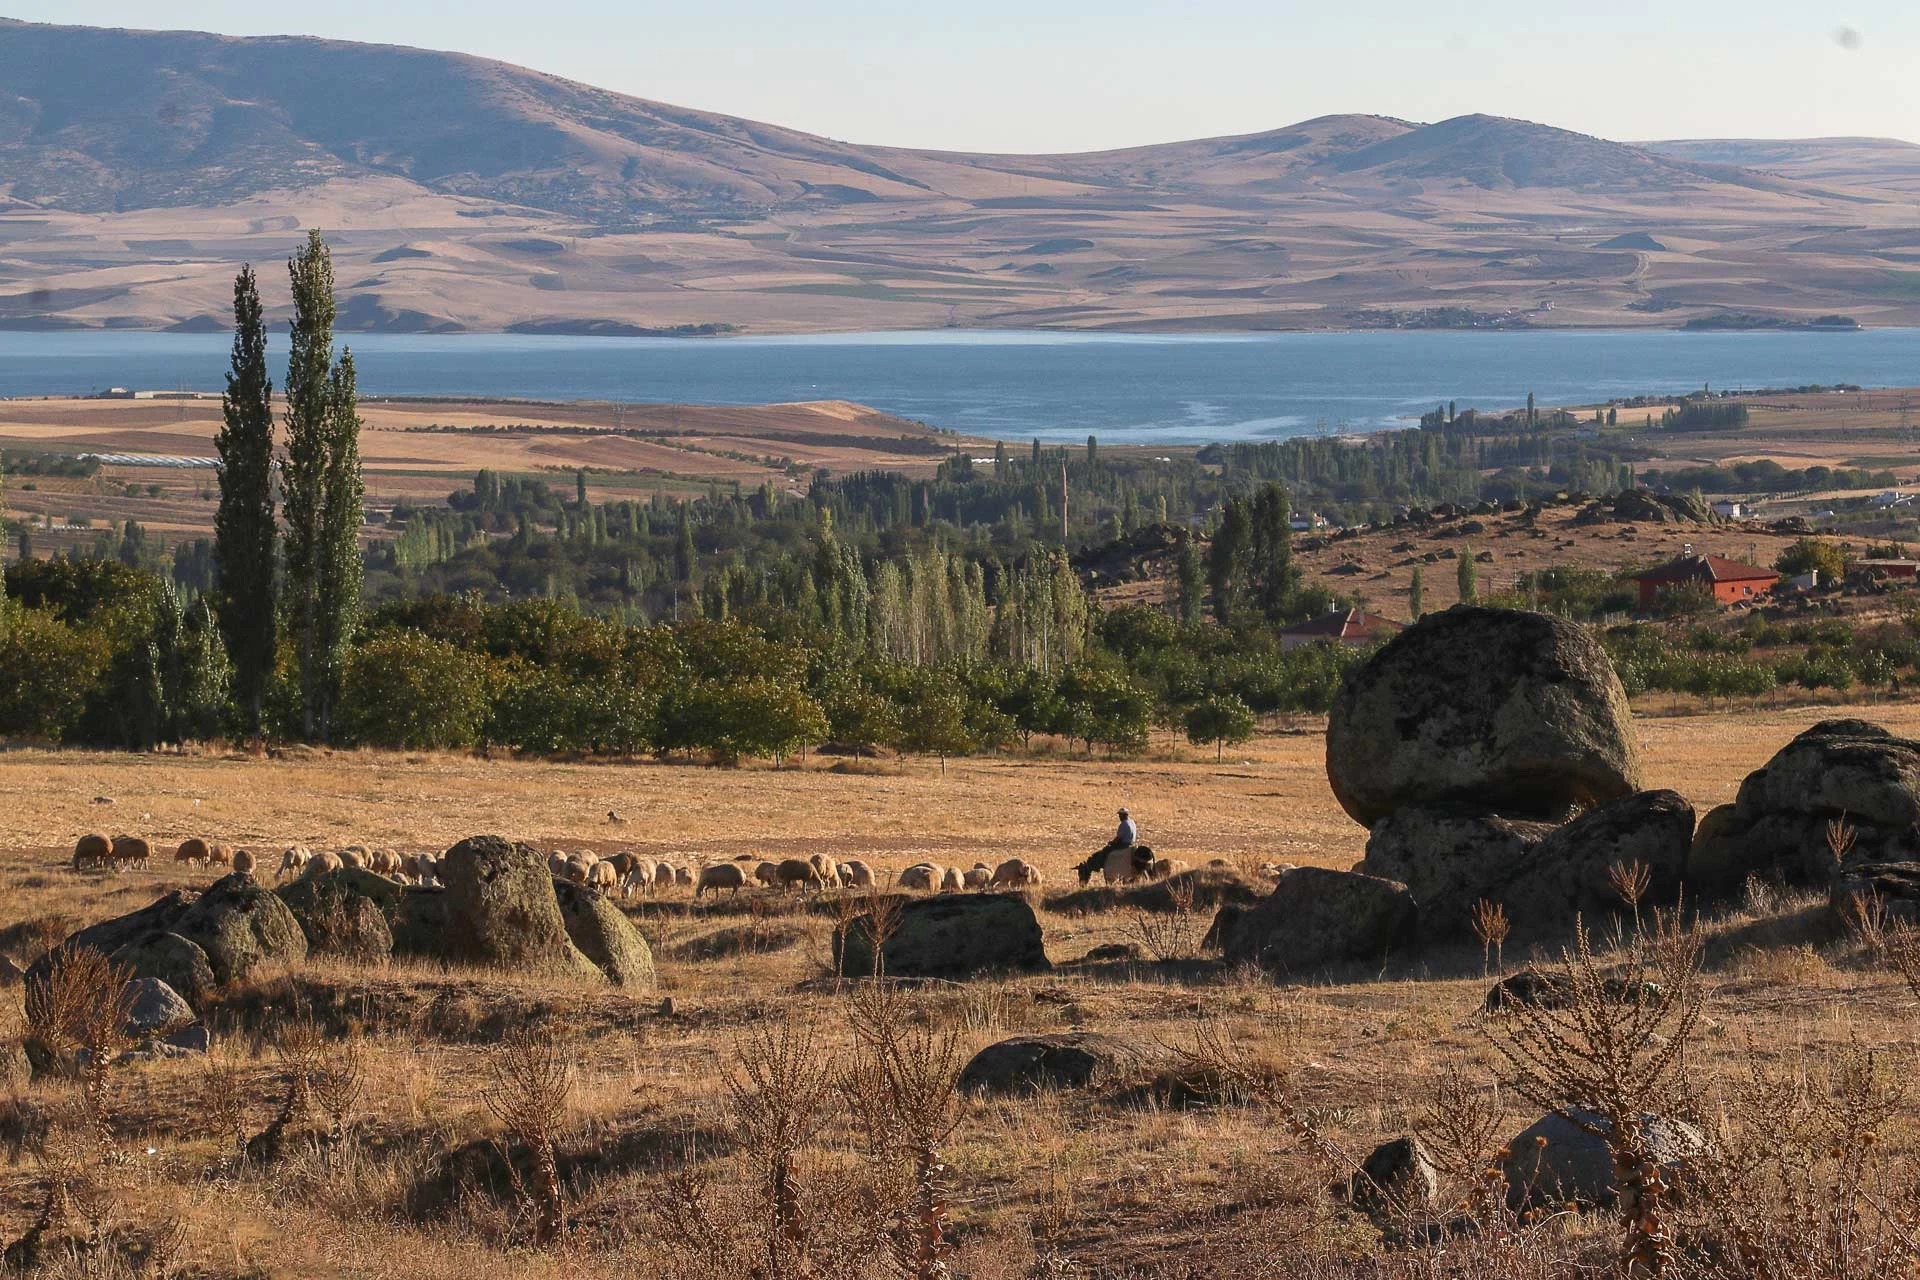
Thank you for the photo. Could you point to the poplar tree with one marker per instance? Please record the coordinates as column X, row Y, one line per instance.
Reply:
column 322, row 484
column 339, row 565
column 245, row 536
column 1416, row 594
column 1467, row 574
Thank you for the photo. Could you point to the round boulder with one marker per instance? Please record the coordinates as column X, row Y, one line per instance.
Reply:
column 241, row 927
column 348, row 912
column 951, row 936
column 1507, row 711
column 154, row 1008
column 1556, row 1160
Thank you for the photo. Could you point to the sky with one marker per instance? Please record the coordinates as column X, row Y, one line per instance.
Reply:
column 1077, row 75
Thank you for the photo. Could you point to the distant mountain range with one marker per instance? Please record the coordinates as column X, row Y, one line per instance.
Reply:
column 138, row 168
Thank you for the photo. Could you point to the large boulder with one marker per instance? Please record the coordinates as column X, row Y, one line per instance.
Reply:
column 347, row 912
column 1396, row 1178
column 1316, row 917
column 1542, row 874
column 1505, row 711
column 1556, row 1161
column 951, row 936
column 605, row 936
column 501, row 910
column 241, row 927
column 1033, row 1064
column 1885, row 891
column 1839, row 771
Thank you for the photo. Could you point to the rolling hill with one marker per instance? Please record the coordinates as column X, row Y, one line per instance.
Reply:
column 138, row 168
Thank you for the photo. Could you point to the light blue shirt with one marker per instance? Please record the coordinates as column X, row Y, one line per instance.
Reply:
column 1127, row 834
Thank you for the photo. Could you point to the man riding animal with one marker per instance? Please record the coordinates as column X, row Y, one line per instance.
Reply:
column 1123, row 859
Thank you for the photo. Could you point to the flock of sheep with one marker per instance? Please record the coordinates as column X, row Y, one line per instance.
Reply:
column 626, row 873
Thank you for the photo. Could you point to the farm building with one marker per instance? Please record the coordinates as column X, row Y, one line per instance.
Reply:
column 1730, row 581
column 1342, row 626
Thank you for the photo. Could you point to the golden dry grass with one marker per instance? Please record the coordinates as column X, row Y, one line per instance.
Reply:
column 1118, row 1188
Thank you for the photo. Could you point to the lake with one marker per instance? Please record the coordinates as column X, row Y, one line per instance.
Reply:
column 1147, row 389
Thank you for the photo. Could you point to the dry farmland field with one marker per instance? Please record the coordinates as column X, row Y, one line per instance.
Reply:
column 1215, row 1161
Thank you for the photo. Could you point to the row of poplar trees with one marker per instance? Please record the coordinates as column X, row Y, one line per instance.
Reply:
column 301, row 584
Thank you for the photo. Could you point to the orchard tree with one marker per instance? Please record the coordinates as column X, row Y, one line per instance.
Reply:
column 1221, row 719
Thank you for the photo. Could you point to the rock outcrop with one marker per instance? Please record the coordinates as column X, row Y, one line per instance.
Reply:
column 1504, row 711
column 604, row 935
column 1556, row 1161
column 241, row 927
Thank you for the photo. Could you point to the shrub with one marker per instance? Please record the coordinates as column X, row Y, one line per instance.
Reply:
column 49, row 672
column 408, row 690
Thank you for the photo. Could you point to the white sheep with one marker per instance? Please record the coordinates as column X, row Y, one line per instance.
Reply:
column 602, row 876
column 425, row 869
column 951, row 880
column 683, row 877
column 244, row 862
column 1165, row 868
column 352, row 856
column 639, row 878
column 293, row 860
column 722, row 875
column 977, row 876
column 856, row 874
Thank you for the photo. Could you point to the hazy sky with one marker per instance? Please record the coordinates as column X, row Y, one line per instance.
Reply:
column 1057, row 75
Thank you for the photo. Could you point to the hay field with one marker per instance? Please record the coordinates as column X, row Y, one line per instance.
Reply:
column 1089, row 1183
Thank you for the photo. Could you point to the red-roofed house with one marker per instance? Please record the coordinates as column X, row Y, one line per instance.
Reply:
column 1342, row 626
column 1729, row 580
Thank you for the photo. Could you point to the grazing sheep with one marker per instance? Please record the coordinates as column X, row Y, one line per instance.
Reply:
column 856, row 874
column 1016, row 873
column 722, row 875
column 683, row 877
column 602, row 876
column 1165, row 868
column 193, row 849
column 576, row 869
column 623, row 862
column 978, row 876
column 292, row 860
column 244, row 862
column 131, row 851
column 663, row 875
column 792, row 871
column 352, row 856
column 91, row 849
column 639, row 878
column 951, row 880
column 557, row 865
column 425, row 869
column 768, row 874
column 922, row 876
column 321, row 863
column 827, row 871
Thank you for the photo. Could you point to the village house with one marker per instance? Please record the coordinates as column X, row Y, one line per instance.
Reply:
column 1730, row 581
column 1342, row 626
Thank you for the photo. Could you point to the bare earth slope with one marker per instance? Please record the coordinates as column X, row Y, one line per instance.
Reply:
column 137, row 169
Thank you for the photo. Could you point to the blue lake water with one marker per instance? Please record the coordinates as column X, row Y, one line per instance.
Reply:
column 1148, row 389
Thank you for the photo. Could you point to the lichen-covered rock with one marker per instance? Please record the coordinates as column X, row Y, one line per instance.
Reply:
column 1449, row 857
column 1887, row 891
column 1849, row 772
column 951, row 936
column 1316, row 917
column 172, row 959
column 1032, row 1064
column 605, row 936
column 347, row 912
column 1505, row 711
column 1397, row 1177
column 241, row 927
column 502, row 912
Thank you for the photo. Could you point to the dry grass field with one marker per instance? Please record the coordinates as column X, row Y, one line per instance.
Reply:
column 1108, row 1182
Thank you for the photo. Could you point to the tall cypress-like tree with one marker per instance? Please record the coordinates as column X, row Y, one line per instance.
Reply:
column 313, row 480
column 339, row 564
column 244, row 534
